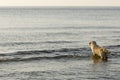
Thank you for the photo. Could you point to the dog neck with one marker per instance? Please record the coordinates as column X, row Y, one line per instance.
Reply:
column 93, row 46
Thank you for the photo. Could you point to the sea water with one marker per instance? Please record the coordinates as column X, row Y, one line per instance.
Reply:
column 51, row 43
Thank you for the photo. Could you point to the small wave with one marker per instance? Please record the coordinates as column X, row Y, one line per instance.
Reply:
column 57, row 57
column 63, row 53
column 6, row 59
column 58, row 42
column 17, row 43
column 35, row 43
column 114, row 46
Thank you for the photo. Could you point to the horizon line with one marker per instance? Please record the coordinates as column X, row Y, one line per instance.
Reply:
column 59, row 6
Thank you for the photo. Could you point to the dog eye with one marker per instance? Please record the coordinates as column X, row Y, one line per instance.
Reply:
column 89, row 42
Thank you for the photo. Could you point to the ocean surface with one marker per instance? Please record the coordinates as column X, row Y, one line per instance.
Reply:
column 51, row 43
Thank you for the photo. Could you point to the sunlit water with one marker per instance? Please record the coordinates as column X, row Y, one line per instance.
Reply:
column 49, row 43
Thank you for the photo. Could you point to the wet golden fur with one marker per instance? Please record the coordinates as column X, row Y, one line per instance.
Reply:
column 99, row 51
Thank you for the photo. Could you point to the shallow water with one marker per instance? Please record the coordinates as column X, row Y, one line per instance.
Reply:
column 52, row 43
column 69, row 69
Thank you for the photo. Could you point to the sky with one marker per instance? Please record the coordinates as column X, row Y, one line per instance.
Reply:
column 59, row 2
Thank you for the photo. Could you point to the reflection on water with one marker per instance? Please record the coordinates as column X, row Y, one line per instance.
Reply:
column 97, row 59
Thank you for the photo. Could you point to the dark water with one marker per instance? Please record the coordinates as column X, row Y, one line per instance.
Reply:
column 52, row 43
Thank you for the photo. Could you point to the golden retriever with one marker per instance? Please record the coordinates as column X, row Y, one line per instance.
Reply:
column 99, row 51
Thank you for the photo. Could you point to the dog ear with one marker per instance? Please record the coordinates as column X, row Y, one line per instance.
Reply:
column 94, row 42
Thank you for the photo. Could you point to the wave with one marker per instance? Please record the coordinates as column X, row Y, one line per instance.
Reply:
column 44, row 58
column 61, row 51
column 113, row 46
column 64, row 53
column 21, row 52
column 34, row 43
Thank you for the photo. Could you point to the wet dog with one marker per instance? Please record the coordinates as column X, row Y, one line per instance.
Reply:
column 98, row 51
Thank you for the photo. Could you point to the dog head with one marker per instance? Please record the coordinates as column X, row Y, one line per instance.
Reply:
column 92, row 43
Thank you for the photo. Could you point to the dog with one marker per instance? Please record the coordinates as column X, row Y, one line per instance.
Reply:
column 99, row 51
